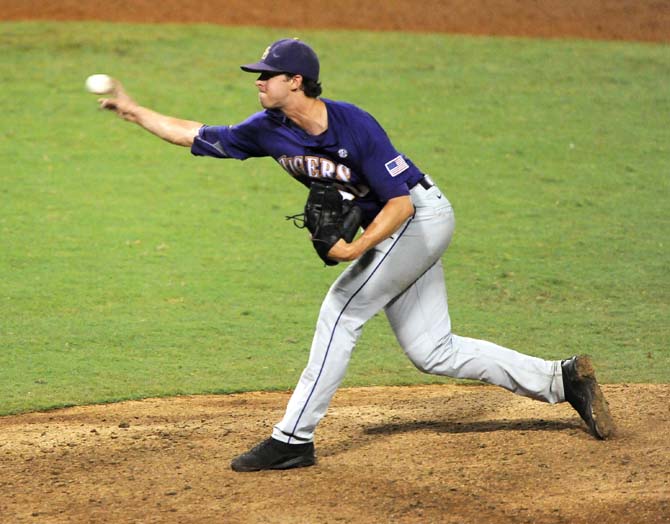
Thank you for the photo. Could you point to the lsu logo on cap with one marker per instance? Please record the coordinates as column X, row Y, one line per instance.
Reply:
column 268, row 48
column 396, row 166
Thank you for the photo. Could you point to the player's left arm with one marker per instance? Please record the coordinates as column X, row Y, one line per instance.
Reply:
column 394, row 213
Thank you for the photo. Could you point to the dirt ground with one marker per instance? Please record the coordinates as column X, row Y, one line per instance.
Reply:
column 430, row 454
column 438, row 454
column 647, row 20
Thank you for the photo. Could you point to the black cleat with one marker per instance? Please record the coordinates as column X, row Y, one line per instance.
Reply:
column 584, row 394
column 274, row 454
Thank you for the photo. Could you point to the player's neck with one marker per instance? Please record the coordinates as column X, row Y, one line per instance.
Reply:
column 310, row 114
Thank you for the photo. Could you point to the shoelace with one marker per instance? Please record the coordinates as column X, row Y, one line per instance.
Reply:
column 298, row 220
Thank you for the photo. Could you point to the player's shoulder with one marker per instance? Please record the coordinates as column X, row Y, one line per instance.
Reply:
column 258, row 121
column 339, row 106
column 262, row 117
column 351, row 115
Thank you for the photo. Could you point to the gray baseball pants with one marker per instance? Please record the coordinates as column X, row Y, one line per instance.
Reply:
column 403, row 276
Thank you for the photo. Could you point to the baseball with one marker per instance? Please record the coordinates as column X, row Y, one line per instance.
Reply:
column 99, row 84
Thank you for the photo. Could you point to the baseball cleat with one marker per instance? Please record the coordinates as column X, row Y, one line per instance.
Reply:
column 584, row 394
column 274, row 454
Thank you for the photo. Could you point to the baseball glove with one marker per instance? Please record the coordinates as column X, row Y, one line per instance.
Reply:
column 328, row 217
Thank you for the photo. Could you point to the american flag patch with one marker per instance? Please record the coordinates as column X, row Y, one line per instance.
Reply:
column 396, row 166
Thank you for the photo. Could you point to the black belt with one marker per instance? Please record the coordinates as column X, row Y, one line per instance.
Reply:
column 424, row 182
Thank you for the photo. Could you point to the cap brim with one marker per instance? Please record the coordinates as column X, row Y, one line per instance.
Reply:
column 259, row 67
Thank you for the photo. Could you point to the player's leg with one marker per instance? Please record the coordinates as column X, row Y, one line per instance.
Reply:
column 361, row 291
column 420, row 320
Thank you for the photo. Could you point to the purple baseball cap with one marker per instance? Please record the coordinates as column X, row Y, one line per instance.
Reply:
column 288, row 55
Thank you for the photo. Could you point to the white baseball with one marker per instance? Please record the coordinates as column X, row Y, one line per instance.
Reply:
column 99, row 84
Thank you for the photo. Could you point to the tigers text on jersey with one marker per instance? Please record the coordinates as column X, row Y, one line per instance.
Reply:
column 354, row 152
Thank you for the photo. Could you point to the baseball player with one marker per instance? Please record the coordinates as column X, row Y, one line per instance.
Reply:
column 396, row 267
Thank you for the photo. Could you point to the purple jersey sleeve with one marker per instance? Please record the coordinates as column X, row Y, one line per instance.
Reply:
column 385, row 169
column 382, row 166
column 240, row 141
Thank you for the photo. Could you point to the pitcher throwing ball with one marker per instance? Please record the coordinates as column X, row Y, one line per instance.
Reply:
column 407, row 224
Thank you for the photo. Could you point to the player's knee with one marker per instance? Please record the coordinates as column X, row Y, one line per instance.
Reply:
column 429, row 357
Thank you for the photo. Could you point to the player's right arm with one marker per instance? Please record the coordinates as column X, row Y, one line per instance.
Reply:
column 174, row 130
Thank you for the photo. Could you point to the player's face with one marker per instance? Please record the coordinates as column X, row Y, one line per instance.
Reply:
column 273, row 89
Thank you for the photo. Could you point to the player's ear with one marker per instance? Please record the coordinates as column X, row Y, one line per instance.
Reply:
column 296, row 82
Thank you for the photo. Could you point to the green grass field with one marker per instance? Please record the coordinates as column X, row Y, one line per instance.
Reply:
column 129, row 268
